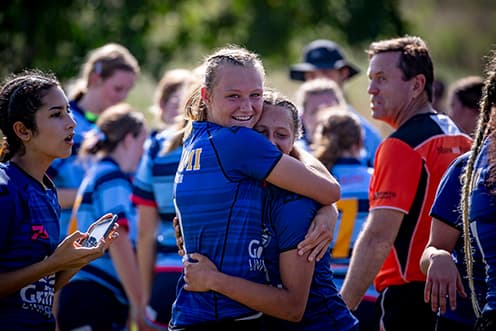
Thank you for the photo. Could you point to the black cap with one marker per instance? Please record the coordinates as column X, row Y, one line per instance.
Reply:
column 321, row 54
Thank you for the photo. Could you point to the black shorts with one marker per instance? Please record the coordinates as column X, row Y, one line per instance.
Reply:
column 486, row 322
column 86, row 303
column 446, row 324
column 402, row 308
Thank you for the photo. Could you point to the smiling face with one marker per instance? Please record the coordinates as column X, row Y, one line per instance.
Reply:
column 276, row 123
column 236, row 98
column 53, row 137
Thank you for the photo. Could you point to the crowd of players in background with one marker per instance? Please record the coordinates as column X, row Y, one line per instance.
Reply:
column 355, row 230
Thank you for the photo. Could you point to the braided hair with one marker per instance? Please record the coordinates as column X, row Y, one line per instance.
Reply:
column 486, row 127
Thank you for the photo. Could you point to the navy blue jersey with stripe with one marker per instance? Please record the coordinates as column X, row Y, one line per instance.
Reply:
column 446, row 208
column 105, row 189
column 153, row 186
column 29, row 232
column 482, row 219
column 287, row 217
column 219, row 199
column 354, row 178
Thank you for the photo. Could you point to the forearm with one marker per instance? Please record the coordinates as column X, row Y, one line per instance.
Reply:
column 442, row 241
column 146, row 261
column 329, row 215
column 14, row 280
column 368, row 257
column 292, row 175
column 126, row 264
column 277, row 302
column 320, row 233
column 286, row 302
column 148, row 221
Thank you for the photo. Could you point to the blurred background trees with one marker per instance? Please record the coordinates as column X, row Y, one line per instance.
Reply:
column 55, row 34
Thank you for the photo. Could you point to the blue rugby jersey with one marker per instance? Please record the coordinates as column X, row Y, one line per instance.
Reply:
column 287, row 217
column 446, row 208
column 105, row 189
column 68, row 173
column 482, row 220
column 153, row 186
column 219, row 199
column 29, row 232
column 354, row 178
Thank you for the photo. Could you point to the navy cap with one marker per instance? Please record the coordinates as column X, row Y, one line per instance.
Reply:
column 321, row 54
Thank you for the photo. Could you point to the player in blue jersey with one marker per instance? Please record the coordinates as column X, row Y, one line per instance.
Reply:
column 217, row 186
column 303, row 295
column 160, row 265
column 106, row 79
column 338, row 141
column 443, row 259
column 105, row 291
column 338, row 145
column 479, row 199
column 37, row 127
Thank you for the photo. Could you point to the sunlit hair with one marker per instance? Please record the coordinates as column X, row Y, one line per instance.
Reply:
column 338, row 131
column 21, row 96
column 232, row 55
column 468, row 90
column 414, row 58
column 274, row 98
column 318, row 86
column 115, row 123
column 486, row 129
column 104, row 61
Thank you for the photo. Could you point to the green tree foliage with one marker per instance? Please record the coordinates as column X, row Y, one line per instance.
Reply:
column 57, row 34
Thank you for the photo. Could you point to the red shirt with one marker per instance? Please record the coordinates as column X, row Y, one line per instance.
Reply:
column 408, row 168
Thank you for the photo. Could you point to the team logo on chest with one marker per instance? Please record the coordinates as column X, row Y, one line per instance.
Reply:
column 255, row 251
column 38, row 232
column 190, row 161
